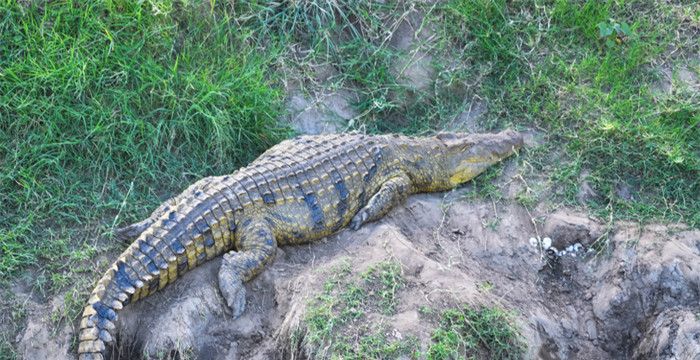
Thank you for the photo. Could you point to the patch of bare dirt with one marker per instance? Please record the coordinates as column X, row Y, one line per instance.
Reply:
column 328, row 113
column 639, row 299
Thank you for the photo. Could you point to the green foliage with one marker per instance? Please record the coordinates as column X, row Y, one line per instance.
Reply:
column 95, row 96
column 484, row 185
column 614, row 33
column 335, row 320
column 485, row 31
column 597, row 103
column 384, row 280
column 316, row 23
column 7, row 352
column 484, row 333
column 335, row 323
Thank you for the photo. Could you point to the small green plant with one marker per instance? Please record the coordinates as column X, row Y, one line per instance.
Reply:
column 7, row 352
column 333, row 324
column 425, row 310
column 614, row 33
column 469, row 333
column 384, row 280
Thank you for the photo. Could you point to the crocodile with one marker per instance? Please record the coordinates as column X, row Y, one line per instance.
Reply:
column 298, row 191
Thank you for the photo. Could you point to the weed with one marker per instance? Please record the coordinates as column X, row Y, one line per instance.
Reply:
column 384, row 280
column 484, row 186
column 319, row 24
column 614, row 33
column 7, row 352
column 425, row 310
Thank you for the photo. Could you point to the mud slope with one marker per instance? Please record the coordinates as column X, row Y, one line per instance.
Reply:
column 640, row 300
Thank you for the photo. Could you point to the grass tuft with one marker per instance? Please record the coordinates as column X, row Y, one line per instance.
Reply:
column 467, row 333
column 335, row 324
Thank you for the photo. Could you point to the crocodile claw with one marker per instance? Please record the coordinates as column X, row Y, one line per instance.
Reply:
column 233, row 291
column 358, row 220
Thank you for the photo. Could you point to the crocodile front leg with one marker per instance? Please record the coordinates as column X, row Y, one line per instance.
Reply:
column 256, row 246
column 392, row 192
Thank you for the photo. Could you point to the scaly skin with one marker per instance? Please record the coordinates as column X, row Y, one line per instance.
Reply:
column 298, row 191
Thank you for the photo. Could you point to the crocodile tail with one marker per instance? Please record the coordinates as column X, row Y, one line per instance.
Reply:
column 97, row 323
column 115, row 289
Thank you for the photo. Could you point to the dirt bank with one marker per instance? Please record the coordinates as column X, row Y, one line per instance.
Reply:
column 634, row 297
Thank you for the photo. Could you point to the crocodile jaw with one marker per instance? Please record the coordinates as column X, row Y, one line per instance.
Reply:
column 469, row 155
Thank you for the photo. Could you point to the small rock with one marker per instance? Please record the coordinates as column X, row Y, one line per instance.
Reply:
column 625, row 192
column 586, row 192
column 568, row 229
column 591, row 329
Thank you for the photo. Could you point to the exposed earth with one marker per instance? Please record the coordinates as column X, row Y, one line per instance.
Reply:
column 636, row 298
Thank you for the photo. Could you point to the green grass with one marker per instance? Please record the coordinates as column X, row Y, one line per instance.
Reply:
column 335, row 325
column 383, row 281
column 548, row 67
column 7, row 352
column 107, row 108
column 468, row 333
column 336, row 322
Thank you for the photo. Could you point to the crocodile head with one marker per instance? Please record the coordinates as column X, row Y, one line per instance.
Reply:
column 468, row 155
column 463, row 156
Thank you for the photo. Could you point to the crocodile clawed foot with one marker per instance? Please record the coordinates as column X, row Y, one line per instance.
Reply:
column 358, row 220
column 233, row 290
column 235, row 298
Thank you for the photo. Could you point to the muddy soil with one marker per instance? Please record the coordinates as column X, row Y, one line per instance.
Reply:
column 636, row 297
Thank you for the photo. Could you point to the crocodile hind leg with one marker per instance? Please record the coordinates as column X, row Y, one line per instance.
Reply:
column 131, row 232
column 256, row 247
column 392, row 192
